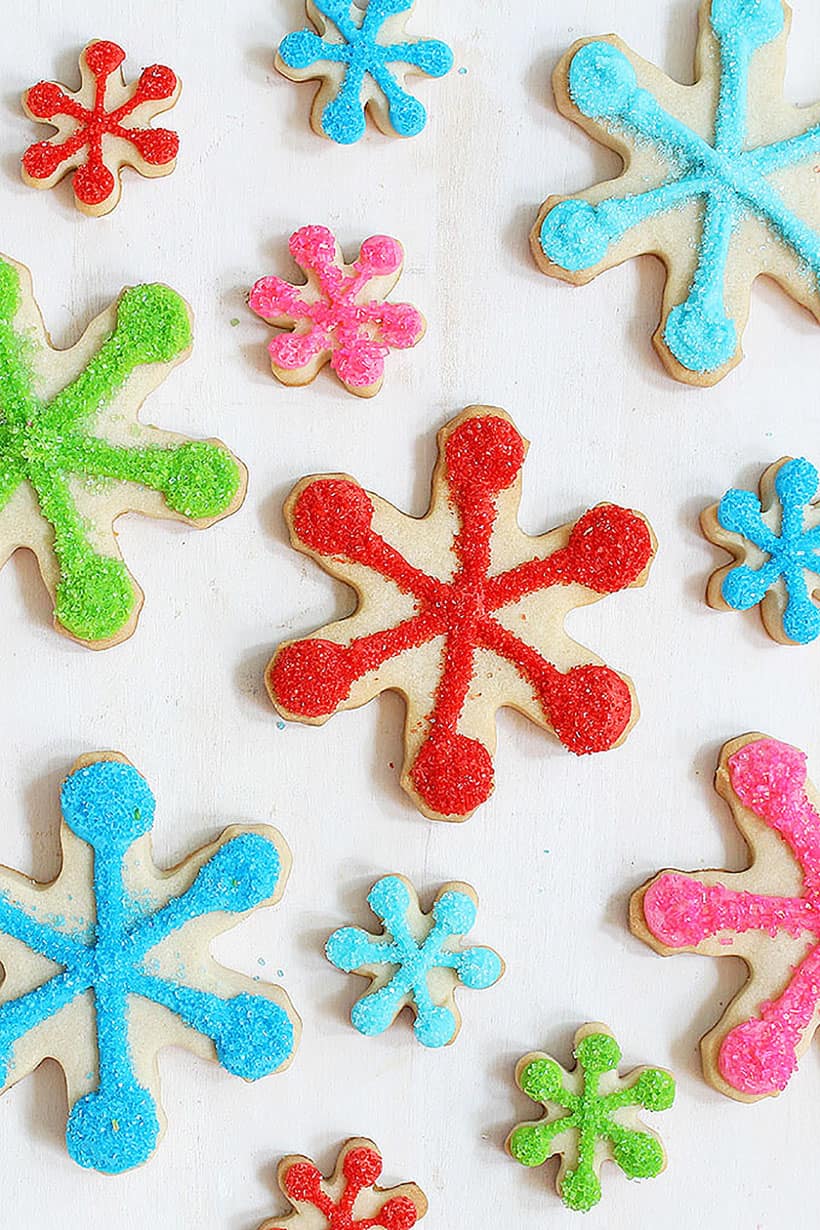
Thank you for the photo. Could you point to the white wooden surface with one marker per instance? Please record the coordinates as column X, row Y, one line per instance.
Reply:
column 557, row 851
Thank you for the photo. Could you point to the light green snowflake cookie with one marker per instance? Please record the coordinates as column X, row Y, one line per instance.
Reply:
column 592, row 1116
column 74, row 457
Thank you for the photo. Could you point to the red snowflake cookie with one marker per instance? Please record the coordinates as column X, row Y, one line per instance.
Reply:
column 350, row 1200
column 101, row 128
column 461, row 612
column 340, row 315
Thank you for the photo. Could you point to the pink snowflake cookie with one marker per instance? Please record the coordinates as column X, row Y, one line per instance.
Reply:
column 102, row 127
column 769, row 915
column 340, row 315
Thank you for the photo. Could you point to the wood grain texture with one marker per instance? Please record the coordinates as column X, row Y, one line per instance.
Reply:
column 563, row 842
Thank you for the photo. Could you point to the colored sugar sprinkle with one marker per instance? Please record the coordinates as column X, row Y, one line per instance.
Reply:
column 50, row 445
column 411, row 948
column 730, row 179
column 352, row 54
column 108, row 813
column 584, row 1120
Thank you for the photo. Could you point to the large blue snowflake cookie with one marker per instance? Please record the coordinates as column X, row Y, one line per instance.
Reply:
column 775, row 541
column 110, row 963
column 417, row 962
column 720, row 181
column 362, row 56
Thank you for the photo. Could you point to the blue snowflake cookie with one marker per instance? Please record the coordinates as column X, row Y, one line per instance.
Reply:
column 775, row 541
column 111, row 962
column 362, row 57
column 720, row 181
column 418, row 961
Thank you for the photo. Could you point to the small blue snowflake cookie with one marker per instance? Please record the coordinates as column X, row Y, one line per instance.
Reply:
column 362, row 57
column 720, row 181
column 110, row 963
column 418, row 961
column 775, row 541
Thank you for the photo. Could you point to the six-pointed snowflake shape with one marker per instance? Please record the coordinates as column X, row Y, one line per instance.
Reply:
column 101, row 128
column 111, row 962
column 418, row 961
column 351, row 55
column 73, row 456
column 462, row 613
column 592, row 1116
column 776, row 544
column 768, row 915
column 340, row 315
column 720, row 181
column 350, row 1199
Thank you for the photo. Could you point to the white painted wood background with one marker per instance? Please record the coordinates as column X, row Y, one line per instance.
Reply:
column 563, row 842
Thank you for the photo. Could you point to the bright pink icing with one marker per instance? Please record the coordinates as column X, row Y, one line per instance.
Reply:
column 759, row 1055
column 355, row 331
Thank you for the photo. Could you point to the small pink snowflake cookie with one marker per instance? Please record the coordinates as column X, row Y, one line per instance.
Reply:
column 102, row 127
column 769, row 915
column 340, row 315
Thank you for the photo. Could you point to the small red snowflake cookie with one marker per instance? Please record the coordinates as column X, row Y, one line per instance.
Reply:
column 102, row 127
column 350, row 1199
column 462, row 613
column 340, row 315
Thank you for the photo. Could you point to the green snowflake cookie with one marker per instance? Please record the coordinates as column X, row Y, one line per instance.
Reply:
column 74, row 457
column 592, row 1116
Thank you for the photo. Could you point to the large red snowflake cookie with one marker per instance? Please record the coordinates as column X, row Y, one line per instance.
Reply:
column 462, row 613
column 102, row 127
column 350, row 1198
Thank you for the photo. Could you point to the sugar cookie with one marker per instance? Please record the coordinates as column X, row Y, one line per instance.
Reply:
column 74, row 457
column 769, row 915
column 350, row 1199
column 110, row 963
column 720, row 180
column 362, row 58
column 592, row 1116
column 340, row 315
column 101, row 128
column 418, row 961
column 462, row 613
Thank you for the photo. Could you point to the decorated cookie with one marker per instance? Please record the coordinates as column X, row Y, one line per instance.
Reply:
column 110, row 963
column 103, row 127
column 592, row 1116
column 720, row 180
column 74, row 457
column 462, row 613
column 769, row 915
column 775, row 541
column 350, row 1199
column 418, row 961
column 362, row 56
column 340, row 315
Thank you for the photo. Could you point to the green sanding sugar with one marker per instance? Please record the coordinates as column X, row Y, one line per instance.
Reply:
column 48, row 443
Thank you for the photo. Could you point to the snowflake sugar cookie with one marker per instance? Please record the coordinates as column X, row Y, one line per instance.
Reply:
column 769, row 915
column 110, row 963
column 101, row 128
column 73, row 456
column 592, row 1116
column 776, row 544
column 720, row 180
column 350, row 1199
column 462, row 613
column 362, row 56
column 418, row 961
column 340, row 315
